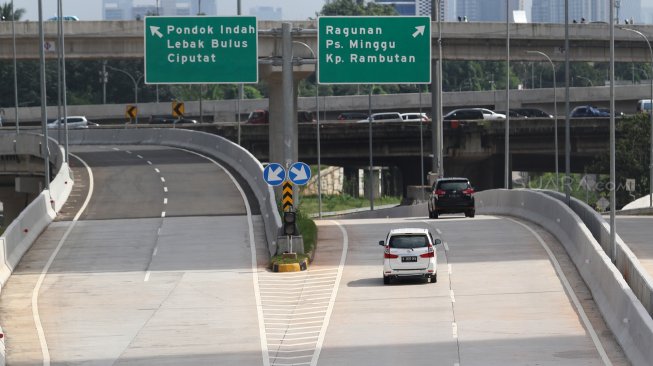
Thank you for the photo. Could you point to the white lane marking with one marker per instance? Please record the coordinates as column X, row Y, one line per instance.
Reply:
column 446, row 246
column 572, row 294
column 147, row 276
column 453, row 298
column 116, row 149
column 156, row 250
column 327, row 317
column 140, row 157
column 128, row 152
column 163, row 180
column 165, row 201
column 438, row 231
column 450, row 268
column 165, row 189
column 252, row 246
column 149, row 162
column 163, row 214
column 293, row 350
column 37, row 288
column 157, row 170
column 454, row 329
column 286, row 328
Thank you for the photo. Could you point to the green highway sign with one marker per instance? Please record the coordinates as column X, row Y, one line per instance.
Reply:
column 187, row 50
column 374, row 50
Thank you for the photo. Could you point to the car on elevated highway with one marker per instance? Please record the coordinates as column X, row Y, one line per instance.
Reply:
column 71, row 121
column 472, row 114
column 384, row 117
column 415, row 117
column 409, row 252
column 588, row 111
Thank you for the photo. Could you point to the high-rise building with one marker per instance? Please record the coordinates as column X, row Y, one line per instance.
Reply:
column 486, row 10
column 419, row 7
column 553, row 11
column 117, row 9
column 266, row 13
column 632, row 9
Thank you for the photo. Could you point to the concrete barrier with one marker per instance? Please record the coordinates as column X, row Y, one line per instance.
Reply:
column 624, row 314
column 639, row 280
column 214, row 146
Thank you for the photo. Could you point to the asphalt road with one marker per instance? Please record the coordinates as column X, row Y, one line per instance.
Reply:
column 165, row 265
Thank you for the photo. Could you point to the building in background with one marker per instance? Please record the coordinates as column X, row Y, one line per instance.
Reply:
column 420, row 7
column 633, row 9
column 117, row 9
column 266, row 13
column 486, row 10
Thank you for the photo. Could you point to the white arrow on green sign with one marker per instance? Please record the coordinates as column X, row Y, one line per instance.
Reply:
column 374, row 50
column 186, row 50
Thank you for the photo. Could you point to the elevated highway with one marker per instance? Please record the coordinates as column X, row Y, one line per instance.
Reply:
column 163, row 243
column 461, row 41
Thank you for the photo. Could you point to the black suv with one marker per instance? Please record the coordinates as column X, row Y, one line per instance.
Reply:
column 451, row 195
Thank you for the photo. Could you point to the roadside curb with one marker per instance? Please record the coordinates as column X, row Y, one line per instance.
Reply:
column 290, row 267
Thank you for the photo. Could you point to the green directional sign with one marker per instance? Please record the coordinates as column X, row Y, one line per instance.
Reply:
column 187, row 50
column 374, row 50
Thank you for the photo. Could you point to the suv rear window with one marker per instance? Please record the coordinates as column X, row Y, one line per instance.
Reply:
column 453, row 185
column 408, row 241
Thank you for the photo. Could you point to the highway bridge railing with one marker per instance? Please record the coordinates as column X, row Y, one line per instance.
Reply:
column 622, row 311
column 239, row 159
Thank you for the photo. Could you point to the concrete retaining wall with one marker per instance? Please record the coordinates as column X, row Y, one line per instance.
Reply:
column 212, row 145
column 639, row 280
column 26, row 228
column 624, row 314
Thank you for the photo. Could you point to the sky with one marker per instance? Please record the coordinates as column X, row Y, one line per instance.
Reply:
column 92, row 9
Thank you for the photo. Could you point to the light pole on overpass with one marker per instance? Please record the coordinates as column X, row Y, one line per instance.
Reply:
column 650, row 116
column 584, row 78
column 135, row 81
column 555, row 110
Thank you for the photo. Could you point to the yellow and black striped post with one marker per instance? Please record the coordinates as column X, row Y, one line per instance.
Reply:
column 286, row 196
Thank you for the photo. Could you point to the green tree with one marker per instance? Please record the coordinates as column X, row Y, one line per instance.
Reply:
column 6, row 12
column 632, row 155
column 356, row 7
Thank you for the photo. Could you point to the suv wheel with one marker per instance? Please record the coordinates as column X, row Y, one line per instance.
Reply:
column 386, row 280
column 435, row 215
column 434, row 278
column 470, row 213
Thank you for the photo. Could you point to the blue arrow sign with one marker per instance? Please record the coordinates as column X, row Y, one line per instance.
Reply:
column 299, row 173
column 274, row 174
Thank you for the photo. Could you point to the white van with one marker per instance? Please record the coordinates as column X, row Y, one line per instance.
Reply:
column 643, row 105
column 72, row 121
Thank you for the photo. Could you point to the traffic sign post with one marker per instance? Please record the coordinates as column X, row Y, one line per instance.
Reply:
column 274, row 174
column 187, row 50
column 299, row 173
column 131, row 111
column 374, row 50
column 178, row 109
column 286, row 197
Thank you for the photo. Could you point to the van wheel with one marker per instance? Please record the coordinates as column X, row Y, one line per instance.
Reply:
column 434, row 278
column 386, row 280
column 435, row 215
column 470, row 213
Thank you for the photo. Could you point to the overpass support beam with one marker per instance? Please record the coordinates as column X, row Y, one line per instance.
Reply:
column 13, row 203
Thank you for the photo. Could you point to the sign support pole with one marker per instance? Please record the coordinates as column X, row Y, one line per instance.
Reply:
column 287, row 85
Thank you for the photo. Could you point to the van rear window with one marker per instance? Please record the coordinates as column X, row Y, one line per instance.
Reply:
column 408, row 241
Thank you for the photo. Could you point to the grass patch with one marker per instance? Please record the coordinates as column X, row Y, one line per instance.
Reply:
column 279, row 259
column 309, row 204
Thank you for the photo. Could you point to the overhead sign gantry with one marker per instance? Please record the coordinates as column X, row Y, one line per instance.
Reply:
column 374, row 50
column 187, row 50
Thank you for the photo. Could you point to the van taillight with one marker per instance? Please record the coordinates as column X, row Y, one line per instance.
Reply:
column 429, row 254
column 388, row 255
column 468, row 192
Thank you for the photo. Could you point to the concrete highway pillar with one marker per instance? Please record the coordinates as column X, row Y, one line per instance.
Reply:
column 272, row 74
column 351, row 181
column 13, row 203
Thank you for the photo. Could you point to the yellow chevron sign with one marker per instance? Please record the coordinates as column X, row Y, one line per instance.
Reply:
column 286, row 196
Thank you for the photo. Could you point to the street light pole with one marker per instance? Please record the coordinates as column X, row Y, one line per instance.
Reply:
column 13, row 36
column 555, row 110
column 135, row 81
column 584, row 78
column 650, row 117
column 507, row 177
column 567, row 129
